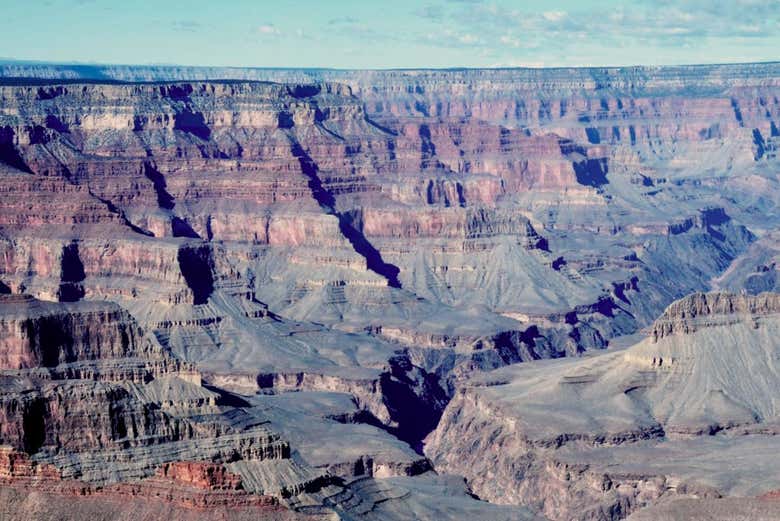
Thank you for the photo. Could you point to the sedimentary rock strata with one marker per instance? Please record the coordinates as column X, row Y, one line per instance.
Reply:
column 191, row 490
column 617, row 431
column 289, row 279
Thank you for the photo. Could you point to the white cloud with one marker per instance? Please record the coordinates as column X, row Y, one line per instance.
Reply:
column 554, row 16
column 510, row 41
column 268, row 29
column 506, row 29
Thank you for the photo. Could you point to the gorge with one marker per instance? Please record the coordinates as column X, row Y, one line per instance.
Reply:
column 393, row 294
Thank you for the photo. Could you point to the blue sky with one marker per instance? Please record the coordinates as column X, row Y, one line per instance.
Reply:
column 393, row 33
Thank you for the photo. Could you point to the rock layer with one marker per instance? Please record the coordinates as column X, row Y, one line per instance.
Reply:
column 605, row 436
column 372, row 240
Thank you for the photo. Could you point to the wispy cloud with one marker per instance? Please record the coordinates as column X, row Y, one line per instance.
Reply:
column 501, row 28
column 341, row 20
column 268, row 30
column 554, row 16
column 187, row 25
column 431, row 12
column 356, row 29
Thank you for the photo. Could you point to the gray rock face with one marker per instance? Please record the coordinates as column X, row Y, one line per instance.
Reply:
column 703, row 310
column 721, row 509
column 692, row 411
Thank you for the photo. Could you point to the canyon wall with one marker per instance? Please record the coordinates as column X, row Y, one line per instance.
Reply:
column 182, row 247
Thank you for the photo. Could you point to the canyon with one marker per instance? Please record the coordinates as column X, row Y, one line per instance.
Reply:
column 432, row 294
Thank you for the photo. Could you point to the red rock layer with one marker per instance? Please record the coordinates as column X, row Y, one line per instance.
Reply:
column 207, row 476
column 39, row 334
column 197, row 485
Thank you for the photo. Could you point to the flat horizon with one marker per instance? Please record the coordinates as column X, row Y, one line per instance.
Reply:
column 13, row 61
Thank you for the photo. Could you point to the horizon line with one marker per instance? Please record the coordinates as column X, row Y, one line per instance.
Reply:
column 12, row 61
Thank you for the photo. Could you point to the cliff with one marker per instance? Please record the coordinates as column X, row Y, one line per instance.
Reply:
column 374, row 241
column 600, row 432
column 703, row 310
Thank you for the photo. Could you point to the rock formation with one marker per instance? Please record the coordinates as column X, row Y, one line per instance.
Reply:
column 286, row 279
column 615, row 432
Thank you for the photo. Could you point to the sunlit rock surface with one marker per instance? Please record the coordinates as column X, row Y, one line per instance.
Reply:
column 690, row 412
column 293, row 275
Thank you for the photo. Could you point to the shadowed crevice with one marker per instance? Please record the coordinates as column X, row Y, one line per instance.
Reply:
column 47, row 93
column 593, row 135
column 285, row 119
column 591, row 172
column 180, row 91
column 737, row 112
column 414, row 398
column 34, row 425
column 196, row 264
column 327, row 202
column 166, row 201
column 115, row 210
column 427, row 147
column 303, row 91
column 226, row 398
column 378, row 126
column 55, row 123
column 164, row 198
column 373, row 258
column 192, row 122
column 758, row 140
column 71, row 274
column 185, row 119
column 9, row 154
column 181, row 228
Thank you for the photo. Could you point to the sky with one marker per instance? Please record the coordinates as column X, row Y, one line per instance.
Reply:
column 391, row 33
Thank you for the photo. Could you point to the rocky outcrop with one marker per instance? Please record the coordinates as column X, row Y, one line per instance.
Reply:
column 74, row 337
column 201, row 475
column 703, row 310
column 14, row 465
column 542, row 433
column 717, row 509
column 90, row 405
column 191, row 485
